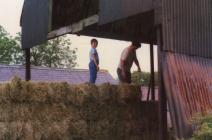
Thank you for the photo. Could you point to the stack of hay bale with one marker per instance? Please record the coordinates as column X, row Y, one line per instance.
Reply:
column 59, row 111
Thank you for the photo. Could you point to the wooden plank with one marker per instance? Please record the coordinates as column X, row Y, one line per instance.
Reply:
column 74, row 28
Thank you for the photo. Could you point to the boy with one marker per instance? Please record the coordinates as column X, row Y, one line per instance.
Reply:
column 94, row 61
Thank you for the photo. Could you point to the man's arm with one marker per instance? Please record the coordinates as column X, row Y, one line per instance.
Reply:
column 137, row 63
column 123, row 69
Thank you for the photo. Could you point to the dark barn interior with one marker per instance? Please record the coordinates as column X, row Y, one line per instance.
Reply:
column 67, row 12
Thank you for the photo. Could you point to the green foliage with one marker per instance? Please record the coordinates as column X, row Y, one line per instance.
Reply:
column 54, row 53
column 10, row 50
column 204, row 129
column 143, row 78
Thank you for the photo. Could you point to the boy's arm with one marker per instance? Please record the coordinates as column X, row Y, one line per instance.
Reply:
column 95, row 61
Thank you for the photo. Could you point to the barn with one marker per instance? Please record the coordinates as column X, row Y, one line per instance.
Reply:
column 182, row 30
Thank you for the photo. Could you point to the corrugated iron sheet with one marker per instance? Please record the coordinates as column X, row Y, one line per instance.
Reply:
column 187, row 26
column 188, row 84
column 34, row 22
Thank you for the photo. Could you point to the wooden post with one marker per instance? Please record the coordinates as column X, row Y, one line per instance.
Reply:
column 163, row 135
column 27, row 65
column 152, row 71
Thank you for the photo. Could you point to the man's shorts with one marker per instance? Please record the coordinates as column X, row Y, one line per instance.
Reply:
column 122, row 79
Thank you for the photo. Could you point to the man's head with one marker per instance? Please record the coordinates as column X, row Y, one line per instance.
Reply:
column 94, row 43
column 136, row 45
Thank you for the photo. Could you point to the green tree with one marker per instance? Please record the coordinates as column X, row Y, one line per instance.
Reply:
column 53, row 53
column 10, row 50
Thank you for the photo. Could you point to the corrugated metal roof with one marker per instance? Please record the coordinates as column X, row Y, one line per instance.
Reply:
column 188, row 83
column 41, row 74
column 187, row 26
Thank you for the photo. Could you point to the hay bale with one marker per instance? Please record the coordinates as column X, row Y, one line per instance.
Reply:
column 18, row 90
column 4, row 93
column 71, row 96
column 54, row 111
column 107, row 93
column 57, row 92
column 79, row 130
column 86, row 93
column 88, row 101
column 127, row 93
column 39, row 93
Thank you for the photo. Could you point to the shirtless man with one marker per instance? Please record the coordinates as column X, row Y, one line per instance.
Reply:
column 128, row 56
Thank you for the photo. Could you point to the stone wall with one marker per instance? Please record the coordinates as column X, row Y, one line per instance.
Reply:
column 58, row 111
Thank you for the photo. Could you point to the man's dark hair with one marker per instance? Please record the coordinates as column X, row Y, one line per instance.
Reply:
column 94, row 40
column 136, row 44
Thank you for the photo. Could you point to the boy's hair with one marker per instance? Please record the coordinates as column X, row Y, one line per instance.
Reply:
column 136, row 44
column 94, row 40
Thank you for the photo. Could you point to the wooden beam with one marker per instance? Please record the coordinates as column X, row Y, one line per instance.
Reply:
column 163, row 127
column 74, row 28
column 27, row 65
column 152, row 71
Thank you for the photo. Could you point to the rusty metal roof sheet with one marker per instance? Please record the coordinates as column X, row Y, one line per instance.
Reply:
column 188, row 84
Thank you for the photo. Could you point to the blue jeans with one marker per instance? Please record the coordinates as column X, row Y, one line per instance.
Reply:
column 93, row 72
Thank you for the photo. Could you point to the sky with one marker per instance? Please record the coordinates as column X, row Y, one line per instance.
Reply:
column 109, row 50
